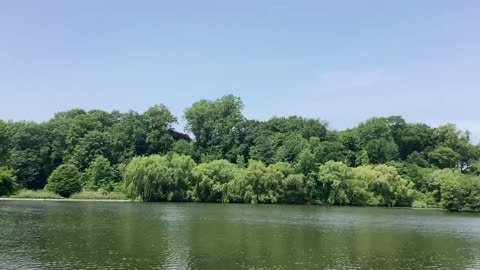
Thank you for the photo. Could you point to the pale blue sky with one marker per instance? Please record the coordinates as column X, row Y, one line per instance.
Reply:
column 341, row 61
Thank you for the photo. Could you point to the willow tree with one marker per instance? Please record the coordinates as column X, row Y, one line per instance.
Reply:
column 212, row 179
column 160, row 178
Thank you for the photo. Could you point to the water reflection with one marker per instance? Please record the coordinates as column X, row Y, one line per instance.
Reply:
column 89, row 235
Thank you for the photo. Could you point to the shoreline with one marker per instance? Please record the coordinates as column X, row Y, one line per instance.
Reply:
column 117, row 200
column 64, row 200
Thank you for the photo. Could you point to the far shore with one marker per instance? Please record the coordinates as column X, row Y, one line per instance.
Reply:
column 63, row 200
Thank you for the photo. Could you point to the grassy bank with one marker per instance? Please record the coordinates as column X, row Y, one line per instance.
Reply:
column 36, row 194
column 84, row 195
column 95, row 195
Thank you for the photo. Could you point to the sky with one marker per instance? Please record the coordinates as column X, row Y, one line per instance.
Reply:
column 340, row 61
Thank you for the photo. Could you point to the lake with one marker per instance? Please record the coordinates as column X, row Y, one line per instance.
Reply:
column 116, row 235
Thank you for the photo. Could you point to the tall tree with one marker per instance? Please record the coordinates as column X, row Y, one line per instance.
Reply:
column 30, row 154
column 159, row 121
column 218, row 127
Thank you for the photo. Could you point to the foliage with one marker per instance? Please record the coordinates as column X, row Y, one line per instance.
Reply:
column 211, row 179
column 100, row 175
column 7, row 182
column 390, row 188
column 94, row 144
column 384, row 161
column 444, row 157
column 183, row 147
column 65, row 180
column 419, row 204
column 28, row 149
column 160, row 178
column 334, row 177
column 461, row 195
column 217, row 127
column 158, row 121
column 36, row 194
column 365, row 185
column 96, row 195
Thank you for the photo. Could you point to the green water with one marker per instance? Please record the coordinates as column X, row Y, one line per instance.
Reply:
column 111, row 235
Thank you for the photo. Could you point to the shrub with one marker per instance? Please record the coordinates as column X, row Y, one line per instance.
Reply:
column 7, row 182
column 419, row 204
column 461, row 194
column 65, row 180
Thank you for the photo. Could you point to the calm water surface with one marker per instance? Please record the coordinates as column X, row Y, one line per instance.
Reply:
column 109, row 235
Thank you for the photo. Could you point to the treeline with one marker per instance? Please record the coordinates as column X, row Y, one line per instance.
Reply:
column 178, row 178
column 383, row 161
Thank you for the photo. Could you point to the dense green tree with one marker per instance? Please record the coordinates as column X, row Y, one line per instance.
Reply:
column 383, row 161
column 469, row 155
column 328, row 150
column 4, row 143
column 239, row 190
column 360, row 191
column 290, row 148
column 417, row 158
column 293, row 189
column 444, row 157
column 259, row 183
column 269, row 187
column 105, row 119
column 362, row 158
column 334, row 177
column 437, row 179
column 461, row 195
column 391, row 188
column 160, row 178
column 414, row 138
column 284, row 125
column 306, row 162
column 129, row 136
column 64, row 180
column 240, row 161
column 183, row 147
column 254, row 177
column 381, row 150
column 211, row 180
column 29, row 156
column 388, row 138
column 7, row 182
column 218, row 127
column 474, row 169
column 418, row 175
column 263, row 149
column 159, row 121
column 99, row 175
column 364, row 185
column 58, row 130
column 351, row 141
column 374, row 129
column 449, row 136
column 94, row 144
column 307, row 128
column 314, row 128
column 78, row 128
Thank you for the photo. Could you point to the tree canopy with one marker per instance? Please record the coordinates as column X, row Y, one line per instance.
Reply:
column 225, row 157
